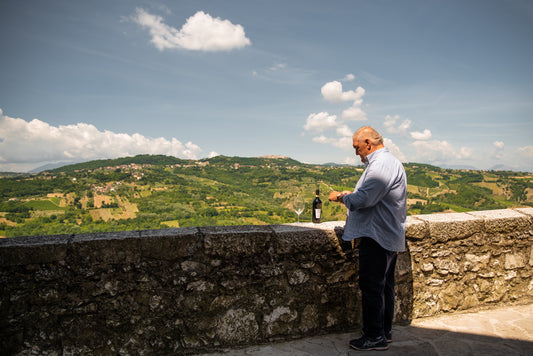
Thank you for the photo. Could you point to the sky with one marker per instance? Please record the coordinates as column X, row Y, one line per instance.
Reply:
column 446, row 82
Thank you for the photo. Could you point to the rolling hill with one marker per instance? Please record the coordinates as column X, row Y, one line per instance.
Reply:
column 156, row 191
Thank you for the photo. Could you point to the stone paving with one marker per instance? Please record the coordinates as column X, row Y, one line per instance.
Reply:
column 503, row 331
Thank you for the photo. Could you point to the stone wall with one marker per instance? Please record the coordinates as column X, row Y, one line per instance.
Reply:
column 463, row 261
column 181, row 291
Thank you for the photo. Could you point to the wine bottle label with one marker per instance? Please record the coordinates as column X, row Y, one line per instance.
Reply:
column 317, row 213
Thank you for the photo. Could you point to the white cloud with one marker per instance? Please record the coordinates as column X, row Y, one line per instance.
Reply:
column 344, row 131
column 499, row 144
column 332, row 92
column 394, row 149
column 348, row 78
column 320, row 122
column 201, row 32
column 439, row 151
column 354, row 160
column 390, row 125
column 498, row 152
column 526, row 152
column 322, row 139
column 354, row 113
column 465, row 153
column 212, row 154
column 323, row 121
column 433, row 151
column 421, row 136
column 34, row 142
column 344, row 143
column 277, row 66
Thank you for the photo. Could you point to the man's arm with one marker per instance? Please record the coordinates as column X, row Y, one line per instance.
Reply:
column 372, row 190
column 337, row 196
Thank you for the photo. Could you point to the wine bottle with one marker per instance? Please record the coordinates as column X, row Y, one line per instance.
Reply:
column 317, row 208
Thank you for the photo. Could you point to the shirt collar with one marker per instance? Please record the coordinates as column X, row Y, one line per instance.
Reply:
column 373, row 155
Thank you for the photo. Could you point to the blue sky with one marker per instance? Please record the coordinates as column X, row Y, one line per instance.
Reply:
column 448, row 83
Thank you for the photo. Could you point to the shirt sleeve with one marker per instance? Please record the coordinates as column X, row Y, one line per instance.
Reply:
column 371, row 191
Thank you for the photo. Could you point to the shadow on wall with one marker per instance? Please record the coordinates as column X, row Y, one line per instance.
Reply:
column 403, row 309
column 182, row 290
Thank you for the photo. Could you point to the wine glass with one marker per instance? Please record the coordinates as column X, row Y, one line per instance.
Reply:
column 299, row 205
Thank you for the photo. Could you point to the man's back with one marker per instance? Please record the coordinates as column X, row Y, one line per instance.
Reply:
column 377, row 208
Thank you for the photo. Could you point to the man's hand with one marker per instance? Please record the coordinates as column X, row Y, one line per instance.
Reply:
column 333, row 195
column 337, row 196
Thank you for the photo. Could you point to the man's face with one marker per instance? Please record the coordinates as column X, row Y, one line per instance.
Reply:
column 362, row 148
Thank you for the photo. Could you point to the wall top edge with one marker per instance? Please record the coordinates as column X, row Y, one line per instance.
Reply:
column 526, row 211
column 412, row 221
column 499, row 214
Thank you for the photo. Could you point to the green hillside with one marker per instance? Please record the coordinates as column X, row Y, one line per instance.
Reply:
column 145, row 192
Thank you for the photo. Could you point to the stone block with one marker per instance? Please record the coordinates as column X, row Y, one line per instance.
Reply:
column 469, row 301
column 297, row 277
column 454, row 226
column 279, row 321
column 404, row 265
column 341, row 275
column 503, row 220
column 237, row 326
column 446, row 266
column 33, row 249
column 515, row 260
column 476, row 262
column 427, row 267
column 296, row 238
column 416, row 228
column 309, row 319
column 233, row 241
column 170, row 244
column 106, row 248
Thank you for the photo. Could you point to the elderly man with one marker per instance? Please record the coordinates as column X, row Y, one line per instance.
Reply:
column 376, row 217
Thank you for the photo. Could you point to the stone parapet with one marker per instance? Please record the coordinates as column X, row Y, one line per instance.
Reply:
column 182, row 291
column 470, row 260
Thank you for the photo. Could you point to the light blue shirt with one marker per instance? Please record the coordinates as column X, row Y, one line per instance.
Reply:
column 377, row 207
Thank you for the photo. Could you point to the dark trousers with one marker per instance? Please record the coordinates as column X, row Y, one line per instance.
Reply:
column 376, row 281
